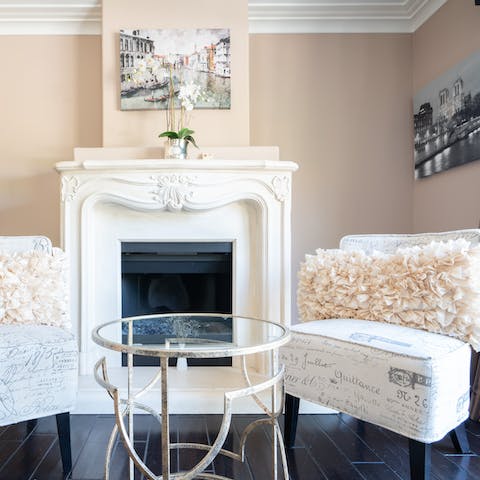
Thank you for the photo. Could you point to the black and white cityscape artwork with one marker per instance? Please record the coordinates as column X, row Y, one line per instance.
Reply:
column 152, row 61
column 447, row 119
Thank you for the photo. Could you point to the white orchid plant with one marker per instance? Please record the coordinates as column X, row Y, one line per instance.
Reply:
column 188, row 93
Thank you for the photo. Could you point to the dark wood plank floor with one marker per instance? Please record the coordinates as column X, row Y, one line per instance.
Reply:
column 333, row 447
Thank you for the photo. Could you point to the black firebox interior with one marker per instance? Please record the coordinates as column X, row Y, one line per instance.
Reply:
column 176, row 277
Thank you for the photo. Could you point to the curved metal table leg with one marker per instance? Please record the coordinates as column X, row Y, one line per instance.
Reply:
column 126, row 434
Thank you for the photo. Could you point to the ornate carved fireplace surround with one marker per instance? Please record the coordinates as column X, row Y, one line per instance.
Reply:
column 114, row 195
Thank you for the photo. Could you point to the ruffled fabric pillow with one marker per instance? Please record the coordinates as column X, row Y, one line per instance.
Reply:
column 33, row 288
column 435, row 287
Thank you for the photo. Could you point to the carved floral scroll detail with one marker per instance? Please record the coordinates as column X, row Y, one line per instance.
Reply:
column 281, row 187
column 70, row 187
column 172, row 191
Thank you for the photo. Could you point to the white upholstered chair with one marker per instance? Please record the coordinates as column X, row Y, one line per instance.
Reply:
column 38, row 363
column 410, row 381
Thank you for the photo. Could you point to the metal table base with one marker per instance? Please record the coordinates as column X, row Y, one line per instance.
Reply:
column 124, row 409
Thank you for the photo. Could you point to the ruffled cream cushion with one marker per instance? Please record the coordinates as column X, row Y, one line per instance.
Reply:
column 33, row 288
column 435, row 287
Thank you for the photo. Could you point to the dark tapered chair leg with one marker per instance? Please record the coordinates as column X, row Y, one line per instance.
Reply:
column 420, row 460
column 63, row 428
column 291, row 418
column 460, row 439
column 31, row 424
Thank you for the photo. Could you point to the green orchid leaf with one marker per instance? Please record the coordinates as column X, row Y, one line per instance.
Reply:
column 190, row 139
column 170, row 134
column 185, row 132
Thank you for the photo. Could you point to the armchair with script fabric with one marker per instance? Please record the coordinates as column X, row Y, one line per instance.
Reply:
column 38, row 353
column 388, row 322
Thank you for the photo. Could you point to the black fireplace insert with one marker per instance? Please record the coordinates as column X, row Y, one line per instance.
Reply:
column 175, row 277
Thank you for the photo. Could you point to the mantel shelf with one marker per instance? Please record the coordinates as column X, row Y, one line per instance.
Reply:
column 168, row 164
column 151, row 158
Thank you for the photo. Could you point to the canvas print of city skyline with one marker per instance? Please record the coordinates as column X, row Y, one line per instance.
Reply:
column 149, row 59
column 447, row 119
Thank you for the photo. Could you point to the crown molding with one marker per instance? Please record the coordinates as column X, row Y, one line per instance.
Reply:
column 84, row 17
column 52, row 17
column 340, row 16
column 424, row 13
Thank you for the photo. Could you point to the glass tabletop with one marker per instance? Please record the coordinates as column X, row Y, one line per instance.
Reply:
column 190, row 335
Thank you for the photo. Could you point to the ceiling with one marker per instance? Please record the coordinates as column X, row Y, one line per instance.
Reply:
column 265, row 16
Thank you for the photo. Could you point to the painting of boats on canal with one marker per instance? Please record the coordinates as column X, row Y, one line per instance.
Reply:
column 447, row 119
column 151, row 59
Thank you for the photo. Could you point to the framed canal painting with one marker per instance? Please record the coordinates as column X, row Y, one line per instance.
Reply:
column 156, row 65
column 447, row 119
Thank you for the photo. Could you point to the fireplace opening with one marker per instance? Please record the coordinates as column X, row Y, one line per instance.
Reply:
column 175, row 277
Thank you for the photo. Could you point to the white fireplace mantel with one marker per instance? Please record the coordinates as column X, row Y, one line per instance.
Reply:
column 110, row 195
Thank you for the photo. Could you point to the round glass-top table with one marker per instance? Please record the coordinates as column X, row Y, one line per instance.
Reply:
column 192, row 336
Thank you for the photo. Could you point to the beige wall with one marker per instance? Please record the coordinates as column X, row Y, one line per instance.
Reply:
column 340, row 106
column 50, row 103
column 212, row 127
column 450, row 199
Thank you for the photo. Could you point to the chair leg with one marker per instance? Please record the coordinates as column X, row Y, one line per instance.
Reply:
column 63, row 428
column 420, row 460
column 292, row 405
column 460, row 440
column 31, row 424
